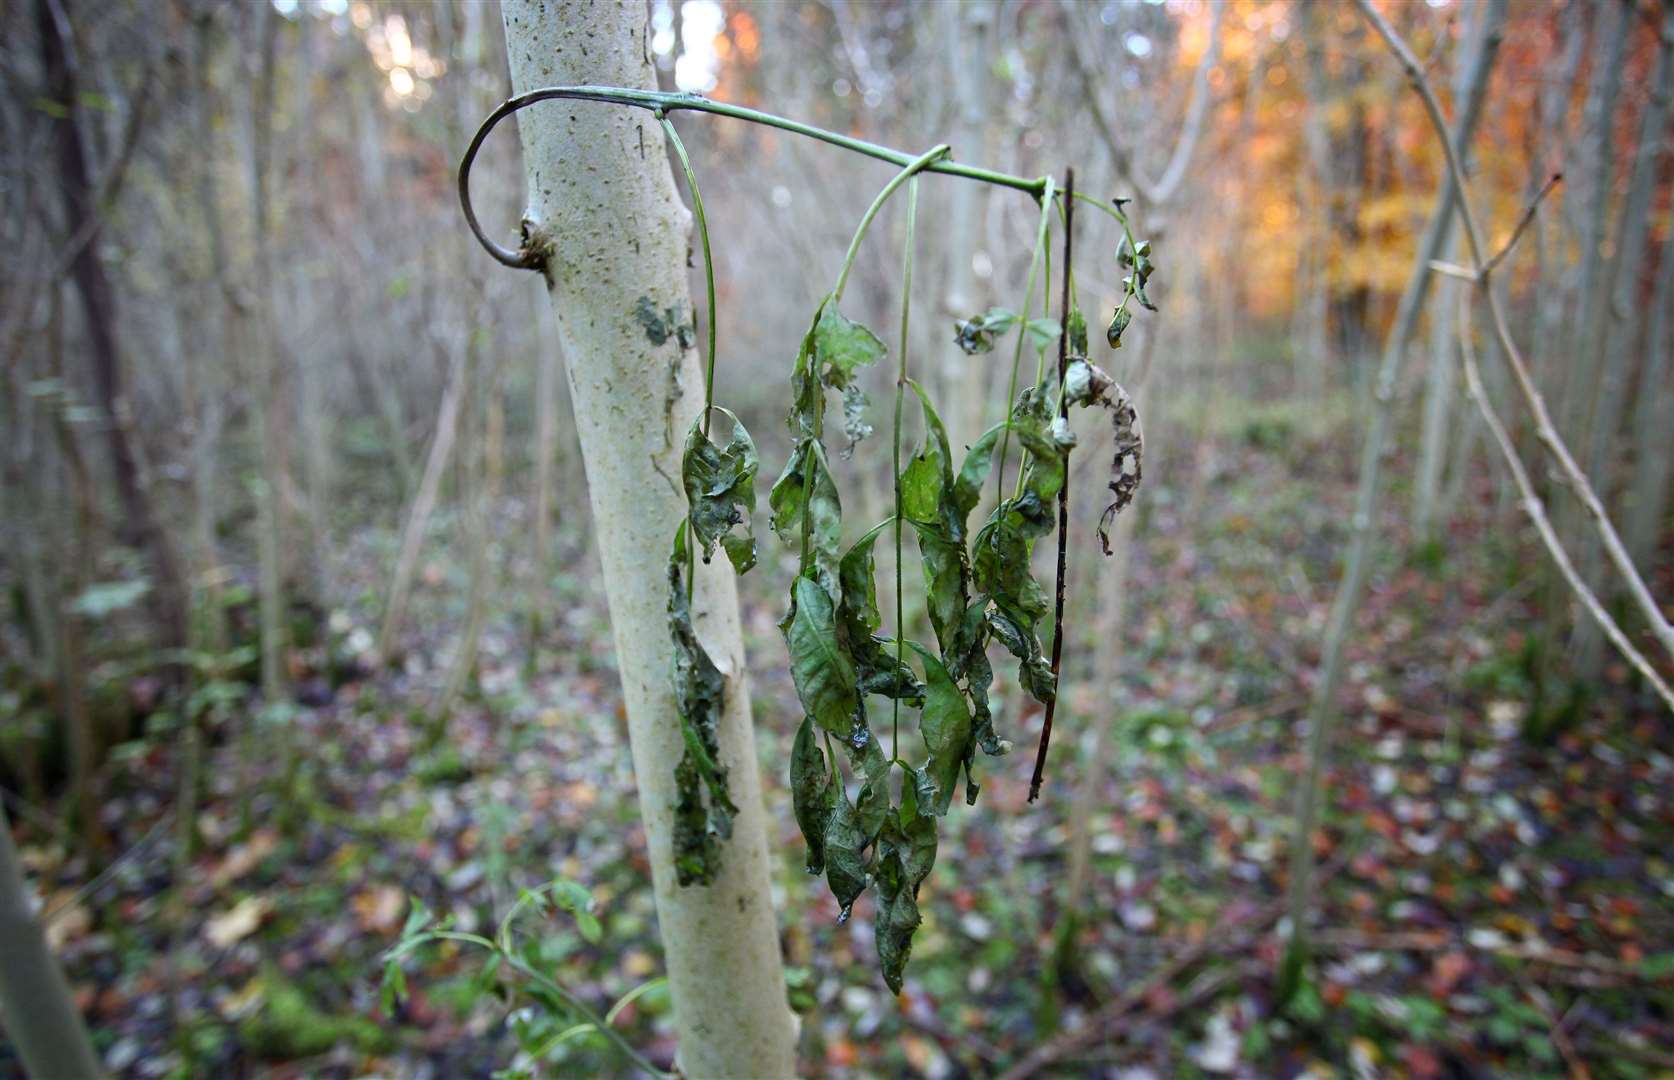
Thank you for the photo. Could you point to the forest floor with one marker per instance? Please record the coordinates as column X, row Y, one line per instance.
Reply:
column 1497, row 900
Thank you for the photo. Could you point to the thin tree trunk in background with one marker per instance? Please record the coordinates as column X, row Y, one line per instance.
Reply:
column 141, row 524
column 1322, row 715
column 965, row 29
column 1623, row 327
column 1442, row 373
column 480, row 494
column 36, row 1008
column 424, row 504
column 264, row 377
column 1553, row 127
column 1594, row 167
column 588, row 171
column 80, row 737
column 1653, row 435
column 1439, row 382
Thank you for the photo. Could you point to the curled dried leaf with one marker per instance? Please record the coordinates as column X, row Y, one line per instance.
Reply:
column 1087, row 385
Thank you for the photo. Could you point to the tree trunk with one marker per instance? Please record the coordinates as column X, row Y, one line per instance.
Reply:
column 424, row 504
column 1444, row 305
column 1622, row 326
column 1357, row 563
column 35, row 1002
column 141, row 527
column 602, row 203
column 1653, row 445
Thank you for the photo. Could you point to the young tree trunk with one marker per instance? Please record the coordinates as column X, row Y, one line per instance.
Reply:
column 36, row 1008
column 1622, row 327
column 1439, row 379
column 424, row 504
column 602, row 205
column 1357, row 563
column 1653, row 436
column 480, row 492
column 265, row 376
column 141, row 527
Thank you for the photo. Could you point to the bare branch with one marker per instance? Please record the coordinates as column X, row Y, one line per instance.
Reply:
column 1523, row 223
column 1544, row 428
column 1191, row 129
column 1536, row 510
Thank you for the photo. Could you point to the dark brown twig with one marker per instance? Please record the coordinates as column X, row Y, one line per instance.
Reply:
column 1063, row 490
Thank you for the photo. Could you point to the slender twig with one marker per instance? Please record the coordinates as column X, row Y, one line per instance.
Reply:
column 1544, row 428
column 1536, row 511
column 1522, row 223
column 109, row 872
column 531, row 258
column 1063, row 492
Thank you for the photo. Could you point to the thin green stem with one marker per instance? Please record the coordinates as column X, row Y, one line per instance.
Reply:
column 709, row 282
column 1023, row 332
column 581, row 1008
column 900, row 397
column 708, row 264
column 914, row 167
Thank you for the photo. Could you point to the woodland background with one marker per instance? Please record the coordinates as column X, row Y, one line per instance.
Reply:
column 301, row 615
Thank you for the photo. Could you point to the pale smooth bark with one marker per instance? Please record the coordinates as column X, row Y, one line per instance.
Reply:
column 1323, row 714
column 539, row 593
column 36, row 1008
column 602, row 205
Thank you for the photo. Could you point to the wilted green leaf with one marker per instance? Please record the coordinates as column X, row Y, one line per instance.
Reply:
column 813, row 793
column 845, row 858
column 945, row 725
column 977, row 334
column 877, row 671
column 824, row 673
column 906, row 854
column 721, row 491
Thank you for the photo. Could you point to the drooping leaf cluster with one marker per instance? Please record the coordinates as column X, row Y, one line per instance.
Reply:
column 863, row 828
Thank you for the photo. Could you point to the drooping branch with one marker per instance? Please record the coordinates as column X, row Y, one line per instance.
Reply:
column 1547, row 433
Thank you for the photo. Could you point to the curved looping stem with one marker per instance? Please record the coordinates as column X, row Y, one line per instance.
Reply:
column 659, row 102
column 914, row 167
